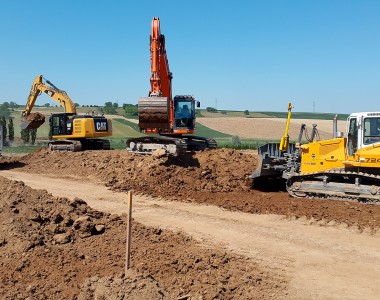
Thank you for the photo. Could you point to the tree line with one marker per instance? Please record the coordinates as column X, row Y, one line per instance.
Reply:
column 8, row 131
column 111, row 109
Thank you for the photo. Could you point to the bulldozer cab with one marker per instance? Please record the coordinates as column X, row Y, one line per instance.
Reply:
column 184, row 113
column 363, row 130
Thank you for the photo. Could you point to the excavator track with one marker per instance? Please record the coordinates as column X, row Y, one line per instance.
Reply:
column 79, row 145
column 65, row 145
column 336, row 185
column 172, row 145
column 198, row 143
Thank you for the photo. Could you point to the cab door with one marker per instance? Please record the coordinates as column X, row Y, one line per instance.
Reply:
column 352, row 136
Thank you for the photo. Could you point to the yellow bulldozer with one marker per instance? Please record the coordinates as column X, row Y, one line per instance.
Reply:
column 344, row 167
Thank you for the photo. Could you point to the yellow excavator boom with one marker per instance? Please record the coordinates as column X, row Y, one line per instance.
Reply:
column 31, row 120
column 38, row 86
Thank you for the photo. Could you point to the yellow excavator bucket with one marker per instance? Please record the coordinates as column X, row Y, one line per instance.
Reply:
column 32, row 121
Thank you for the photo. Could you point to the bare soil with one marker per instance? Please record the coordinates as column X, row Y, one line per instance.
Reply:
column 54, row 248
column 218, row 177
column 268, row 128
column 200, row 231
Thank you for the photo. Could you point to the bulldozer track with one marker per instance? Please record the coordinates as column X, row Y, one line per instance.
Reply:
column 336, row 185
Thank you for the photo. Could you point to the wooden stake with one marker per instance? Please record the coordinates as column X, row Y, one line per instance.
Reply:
column 129, row 232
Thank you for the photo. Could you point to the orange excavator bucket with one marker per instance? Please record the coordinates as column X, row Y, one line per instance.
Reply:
column 154, row 112
column 32, row 121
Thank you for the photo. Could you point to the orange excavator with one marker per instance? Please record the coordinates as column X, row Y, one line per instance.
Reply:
column 168, row 122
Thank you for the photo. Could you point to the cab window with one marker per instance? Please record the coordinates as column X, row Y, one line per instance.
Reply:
column 371, row 131
column 352, row 142
column 183, row 110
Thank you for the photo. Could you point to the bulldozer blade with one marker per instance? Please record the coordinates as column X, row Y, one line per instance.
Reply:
column 32, row 121
column 272, row 161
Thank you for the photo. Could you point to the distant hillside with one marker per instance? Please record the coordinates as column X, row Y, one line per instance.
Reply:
column 305, row 115
column 269, row 114
column 217, row 114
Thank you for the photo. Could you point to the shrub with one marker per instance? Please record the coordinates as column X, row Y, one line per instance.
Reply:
column 236, row 140
column 211, row 109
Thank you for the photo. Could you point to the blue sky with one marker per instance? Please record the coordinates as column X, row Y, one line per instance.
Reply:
column 323, row 56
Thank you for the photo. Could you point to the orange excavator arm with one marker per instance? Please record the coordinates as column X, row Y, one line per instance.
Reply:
column 161, row 77
column 156, row 112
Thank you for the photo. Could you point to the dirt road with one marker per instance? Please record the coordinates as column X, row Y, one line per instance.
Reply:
column 321, row 260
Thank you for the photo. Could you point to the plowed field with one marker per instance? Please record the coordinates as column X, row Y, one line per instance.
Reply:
column 269, row 128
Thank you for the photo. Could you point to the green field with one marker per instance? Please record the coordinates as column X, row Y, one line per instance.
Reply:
column 42, row 132
column 121, row 130
column 124, row 129
column 237, row 143
column 210, row 133
column 203, row 113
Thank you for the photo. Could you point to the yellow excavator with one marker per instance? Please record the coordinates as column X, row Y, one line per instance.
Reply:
column 70, row 132
column 345, row 168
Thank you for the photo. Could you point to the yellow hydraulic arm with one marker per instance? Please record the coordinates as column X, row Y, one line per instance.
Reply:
column 285, row 139
column 52, row 91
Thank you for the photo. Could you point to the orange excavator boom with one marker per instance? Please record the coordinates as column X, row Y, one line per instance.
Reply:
column 161, row 77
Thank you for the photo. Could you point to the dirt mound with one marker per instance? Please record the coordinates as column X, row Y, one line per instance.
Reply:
column 10, row 162
column 217, row 177
column 221, row 170
column 60, row 249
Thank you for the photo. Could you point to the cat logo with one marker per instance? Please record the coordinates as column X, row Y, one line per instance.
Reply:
column 101, row 126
